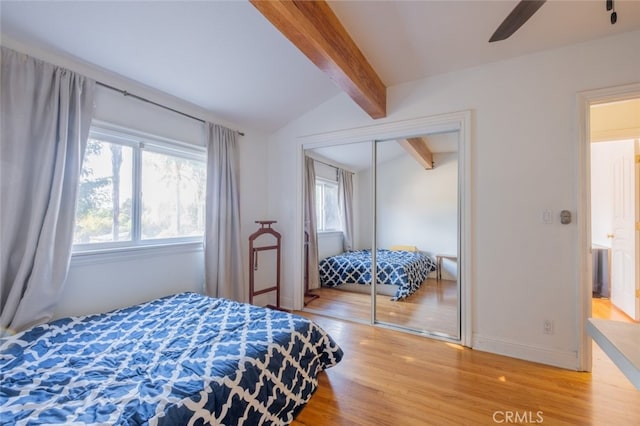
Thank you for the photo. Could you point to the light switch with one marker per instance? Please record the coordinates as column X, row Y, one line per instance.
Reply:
column 547, row 217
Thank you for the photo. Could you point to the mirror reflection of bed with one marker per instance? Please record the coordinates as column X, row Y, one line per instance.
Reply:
column 416, row 216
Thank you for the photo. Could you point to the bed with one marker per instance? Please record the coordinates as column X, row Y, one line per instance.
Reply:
column 183, row 359
column 403, row 269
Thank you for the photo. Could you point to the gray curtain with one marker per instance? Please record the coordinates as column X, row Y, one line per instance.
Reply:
column 223, row 254
column 345, row 201
column 45, row 117
column 310, row 222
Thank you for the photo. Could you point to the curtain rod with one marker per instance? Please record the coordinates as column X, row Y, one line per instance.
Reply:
column 314, row 158
column 140, row 98
column 326, row 163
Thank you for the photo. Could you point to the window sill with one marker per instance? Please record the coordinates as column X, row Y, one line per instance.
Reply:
column 117, row 254
column 329, row 233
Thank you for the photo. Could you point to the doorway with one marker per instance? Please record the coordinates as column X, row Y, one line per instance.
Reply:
column 615, row 145
column 610, row 181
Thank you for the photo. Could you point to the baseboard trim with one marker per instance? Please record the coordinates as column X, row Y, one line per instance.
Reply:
column 566, row 360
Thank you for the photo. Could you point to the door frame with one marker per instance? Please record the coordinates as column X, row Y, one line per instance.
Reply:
column 456, row 121
column 584, row 102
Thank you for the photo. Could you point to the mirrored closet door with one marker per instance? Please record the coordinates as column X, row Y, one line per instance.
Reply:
column 416, row 234
column 338, row 191
column 394, row 209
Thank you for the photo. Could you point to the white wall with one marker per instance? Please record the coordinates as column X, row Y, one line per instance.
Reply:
column 121, row 280
column 98, row 284
column 326, row 171
column 330, row 244
column 419, row 207
column 364, row 210
column 524, row 160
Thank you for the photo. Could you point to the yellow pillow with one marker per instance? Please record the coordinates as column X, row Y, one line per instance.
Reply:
column 404, row 248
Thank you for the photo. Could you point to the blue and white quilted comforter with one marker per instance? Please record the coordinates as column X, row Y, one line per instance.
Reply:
column 183, row 359
column 406, row 269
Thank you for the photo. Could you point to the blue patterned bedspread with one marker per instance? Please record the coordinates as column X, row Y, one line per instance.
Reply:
column 406, row 269
column 183, row 359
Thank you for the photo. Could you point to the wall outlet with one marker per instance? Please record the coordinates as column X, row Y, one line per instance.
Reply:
column 548, row 326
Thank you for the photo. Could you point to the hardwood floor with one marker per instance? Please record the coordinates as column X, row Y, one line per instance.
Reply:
column 434, row 307
column 391, row 378
column 602, row 308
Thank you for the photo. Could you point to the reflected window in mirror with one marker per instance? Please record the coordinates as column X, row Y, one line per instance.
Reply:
column 327, row 209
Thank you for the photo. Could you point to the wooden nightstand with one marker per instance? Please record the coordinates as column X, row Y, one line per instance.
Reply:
column 439, row 258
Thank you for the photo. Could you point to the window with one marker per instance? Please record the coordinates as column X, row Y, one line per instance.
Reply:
column 327, row 211
column 138, row 191
column 104, row 199
column 173, row 193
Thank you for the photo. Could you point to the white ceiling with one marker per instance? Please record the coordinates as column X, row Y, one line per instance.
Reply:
column 409, row 40
column 225, row 57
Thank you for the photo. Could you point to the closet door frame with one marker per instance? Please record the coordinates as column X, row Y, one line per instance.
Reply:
column 444, row 123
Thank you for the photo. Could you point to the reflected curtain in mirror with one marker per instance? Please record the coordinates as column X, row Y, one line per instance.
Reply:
column 310, row 223
column 345, row 194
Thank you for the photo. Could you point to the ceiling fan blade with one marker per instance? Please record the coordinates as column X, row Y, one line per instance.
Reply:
column 518, row 16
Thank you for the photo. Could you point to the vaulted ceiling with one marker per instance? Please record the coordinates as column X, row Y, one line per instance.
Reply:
column 225, row 57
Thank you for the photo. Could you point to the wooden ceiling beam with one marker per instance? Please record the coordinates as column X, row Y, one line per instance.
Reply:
column 418, row 148
column 314, row 29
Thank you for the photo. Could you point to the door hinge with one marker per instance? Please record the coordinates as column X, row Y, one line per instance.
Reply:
column 637, row 226
column 638, row 293
column 638, row 159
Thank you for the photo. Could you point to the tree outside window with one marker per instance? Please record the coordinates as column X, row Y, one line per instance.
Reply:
column 327, row 210
column 131, row 193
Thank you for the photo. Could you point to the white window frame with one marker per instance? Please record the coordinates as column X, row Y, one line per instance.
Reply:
column 140, row 141
column 320, row 220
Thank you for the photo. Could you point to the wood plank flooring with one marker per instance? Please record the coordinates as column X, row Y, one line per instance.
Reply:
column 603, row 308
column 393, row 378
column 433, row 307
